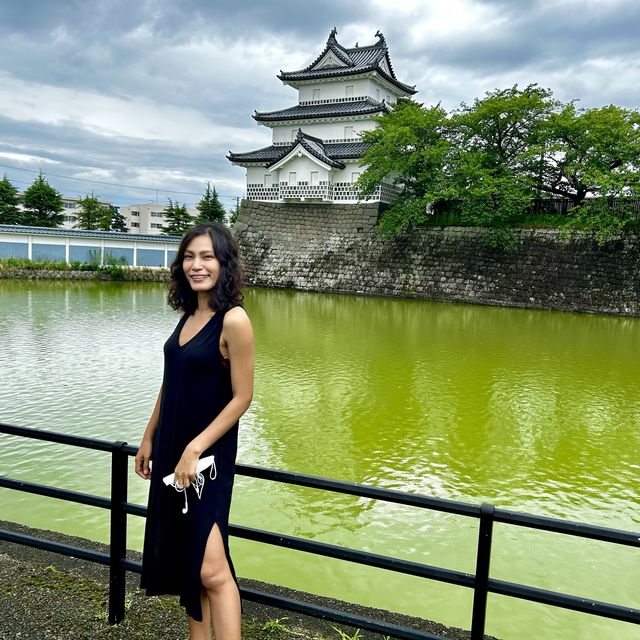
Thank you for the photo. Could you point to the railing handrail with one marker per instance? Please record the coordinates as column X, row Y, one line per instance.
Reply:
column 418, row 500
column 481, row 582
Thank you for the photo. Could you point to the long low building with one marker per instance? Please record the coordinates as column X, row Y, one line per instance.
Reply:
column 70, row 245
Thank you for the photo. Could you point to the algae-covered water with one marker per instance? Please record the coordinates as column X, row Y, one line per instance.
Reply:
column 529, row 410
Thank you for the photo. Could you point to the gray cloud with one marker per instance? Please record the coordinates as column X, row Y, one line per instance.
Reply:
column 216, row 62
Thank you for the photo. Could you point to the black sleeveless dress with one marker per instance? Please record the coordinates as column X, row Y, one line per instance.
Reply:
column 196, row 387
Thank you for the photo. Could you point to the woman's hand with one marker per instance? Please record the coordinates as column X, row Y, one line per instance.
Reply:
column 143, row 457
column 185, row 470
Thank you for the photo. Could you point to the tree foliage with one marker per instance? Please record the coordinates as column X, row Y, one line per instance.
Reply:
column 115, row 219
column 593, row 151
column 10, row 212
column 42, row 203
column 178, row 218
column 487, row 162
column 210, row 207
column 490, row 160
column 234, row 212
column 92, row 213
column 409, row 149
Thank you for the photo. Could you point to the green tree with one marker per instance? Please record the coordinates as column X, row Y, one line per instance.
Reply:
column 113, row 220
column 179, row 219
column 409, row 149
column 9, row 210
column 210, row 207
column 91, row 214
column 492, row 169
column 591, row 151
column 43, row 204
column 234, row 213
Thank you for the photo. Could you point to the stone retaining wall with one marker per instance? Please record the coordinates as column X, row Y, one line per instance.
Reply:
column 338, row 248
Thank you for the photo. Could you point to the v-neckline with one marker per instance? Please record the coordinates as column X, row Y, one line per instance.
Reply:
column 195, row 335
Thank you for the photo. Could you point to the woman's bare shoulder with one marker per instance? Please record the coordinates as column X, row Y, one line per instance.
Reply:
column 236, row 318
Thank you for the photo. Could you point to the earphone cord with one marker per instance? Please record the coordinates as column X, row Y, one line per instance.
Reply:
column 198, row 485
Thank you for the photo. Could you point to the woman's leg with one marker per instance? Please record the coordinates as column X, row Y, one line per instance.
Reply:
column 221, row 589
column 201, row 630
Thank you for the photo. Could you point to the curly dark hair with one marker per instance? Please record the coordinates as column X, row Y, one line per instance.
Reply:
column 227, row 292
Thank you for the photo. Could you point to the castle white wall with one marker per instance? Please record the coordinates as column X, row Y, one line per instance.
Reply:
column 325, row 131
column 255, row 175
column 334, row 90
column 347, row 174
column 302, row 167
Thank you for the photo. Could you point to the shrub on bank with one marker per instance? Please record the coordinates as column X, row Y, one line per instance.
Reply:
column 22, row 268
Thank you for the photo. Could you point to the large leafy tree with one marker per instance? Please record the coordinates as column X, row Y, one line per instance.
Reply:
column 9, row 203
column 210, row 207
column 43, row 204
column 178, row 218
column 590, row 151
column 491, row 165
column 591, row 156
column 409, row 149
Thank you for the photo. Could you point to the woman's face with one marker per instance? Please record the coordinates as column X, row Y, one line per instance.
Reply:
column 200, row 265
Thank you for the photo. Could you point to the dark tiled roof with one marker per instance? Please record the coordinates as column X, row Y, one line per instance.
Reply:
column 325, row 110
column 357, row 60
column 316, row 148
column 334, row 151
column 266, row 154
column 82, row 233
column 346, row 150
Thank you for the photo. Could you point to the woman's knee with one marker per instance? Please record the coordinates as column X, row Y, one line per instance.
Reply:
column 214, row 575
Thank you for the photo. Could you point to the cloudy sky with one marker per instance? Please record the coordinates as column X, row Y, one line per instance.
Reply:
column 143, row 100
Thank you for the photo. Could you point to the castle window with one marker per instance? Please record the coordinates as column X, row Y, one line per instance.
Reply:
column 268, row 179
column 293, row 180
column 316, row 94
column 314, row 178
column 348, row 91
column 348, row 132
column 354, row 176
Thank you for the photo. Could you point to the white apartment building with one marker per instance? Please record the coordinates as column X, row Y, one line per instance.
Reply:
column 71, row 210
column 147, row 219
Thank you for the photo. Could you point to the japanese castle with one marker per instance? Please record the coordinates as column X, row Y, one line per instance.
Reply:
column 316, row 147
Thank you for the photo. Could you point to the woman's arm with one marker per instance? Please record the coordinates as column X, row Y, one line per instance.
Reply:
column 237, row 341
column 143, row 456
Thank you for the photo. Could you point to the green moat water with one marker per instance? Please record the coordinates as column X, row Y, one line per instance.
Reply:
column 529, row 410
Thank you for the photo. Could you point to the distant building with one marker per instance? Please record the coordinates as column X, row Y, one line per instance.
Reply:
column 316, row 147
column 147, row 219
column 71, row 210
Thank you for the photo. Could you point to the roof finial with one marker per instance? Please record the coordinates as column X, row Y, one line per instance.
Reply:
column 299, row 135
column 332, row 35
column 381, row 41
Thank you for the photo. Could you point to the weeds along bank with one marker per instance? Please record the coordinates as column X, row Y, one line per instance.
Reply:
column 14, row 269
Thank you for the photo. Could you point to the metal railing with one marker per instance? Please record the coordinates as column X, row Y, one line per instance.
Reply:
column 480, row 582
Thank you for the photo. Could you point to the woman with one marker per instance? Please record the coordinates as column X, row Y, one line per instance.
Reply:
column 207, row 386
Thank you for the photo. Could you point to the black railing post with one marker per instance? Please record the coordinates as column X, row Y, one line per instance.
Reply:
column 483, row 560
column 118, row 537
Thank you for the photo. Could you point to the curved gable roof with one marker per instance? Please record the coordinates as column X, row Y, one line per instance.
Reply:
column 356, row 60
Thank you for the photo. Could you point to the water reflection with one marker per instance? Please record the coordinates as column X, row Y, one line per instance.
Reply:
column 537, row 411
